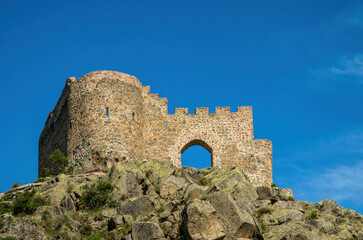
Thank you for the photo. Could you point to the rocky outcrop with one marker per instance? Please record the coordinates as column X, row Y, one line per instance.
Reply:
column 153, row 200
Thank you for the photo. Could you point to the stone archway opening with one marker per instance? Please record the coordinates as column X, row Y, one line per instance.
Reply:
column 197, row 154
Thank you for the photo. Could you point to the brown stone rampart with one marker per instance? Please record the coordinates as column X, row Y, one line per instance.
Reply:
column 109, row 116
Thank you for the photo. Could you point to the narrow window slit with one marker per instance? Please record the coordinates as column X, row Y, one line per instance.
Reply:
column 106, row 111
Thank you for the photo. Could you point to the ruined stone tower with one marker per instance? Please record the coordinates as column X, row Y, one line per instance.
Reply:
column 106, row 117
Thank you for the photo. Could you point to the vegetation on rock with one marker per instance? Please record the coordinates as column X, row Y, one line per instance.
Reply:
column 96, row 195
column 23, row 203
column 153, row 200
column 60, row 164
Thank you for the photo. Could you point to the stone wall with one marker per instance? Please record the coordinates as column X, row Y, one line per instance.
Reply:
column 108, row 117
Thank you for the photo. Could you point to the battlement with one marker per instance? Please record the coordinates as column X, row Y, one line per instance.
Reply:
column 203, row 111
column 106, row 117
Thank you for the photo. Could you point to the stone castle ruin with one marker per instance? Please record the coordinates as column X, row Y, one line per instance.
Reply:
column 106, row 117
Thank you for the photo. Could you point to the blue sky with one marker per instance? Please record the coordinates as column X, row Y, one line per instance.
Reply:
column 298, row 63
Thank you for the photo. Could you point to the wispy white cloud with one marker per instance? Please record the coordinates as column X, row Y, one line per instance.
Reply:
column 353, row 66
column 340, row 184
column 329, row 168
column 349, row 70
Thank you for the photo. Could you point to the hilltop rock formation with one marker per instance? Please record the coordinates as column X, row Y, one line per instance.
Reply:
column 153, row 200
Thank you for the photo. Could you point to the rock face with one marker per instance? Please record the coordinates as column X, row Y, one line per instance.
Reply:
column 154, row 200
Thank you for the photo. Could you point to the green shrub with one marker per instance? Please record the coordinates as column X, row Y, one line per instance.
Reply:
column 5, row 207
column 54, row 228
column 157, row 189
column 94, row 237
column 8, row 238
column 45, row 217
column 125, row 228
column 15, row 185
column 264, row 228
column 160, row 209
column 114, row 203
column 86, row 230
column 8, row 197
column 290, row 198
column 148, row 173
column 27, row 203
column 273, row 185
column 204, row 182
column 263, row 211
column 70, row 188
column 47, row 172
column 341, row 221
column 59, row 164
column 40, row 179
column 313, row 214
column 95, row 196
column 2, row 223
column 123, row 197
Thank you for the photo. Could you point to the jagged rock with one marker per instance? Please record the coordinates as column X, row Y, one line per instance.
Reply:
column 139, row 206
column 126, row 179
column 202, row 222
column 192, row 175
column 291, row 231
column 320, row 223
column 174, row 232
column 194, row 191
column 23, row 230
column 128, row 237
column 286, row 205
column 157, row 172
column 68, row 203
column 360, row 235
column 127, row 219
column 172, row 185
column 237, row 223
column 282, row 215
column 164, row 214
column 235, row 182
column 146, row 231
column 58, row 190
column 119, row 219
column 109, row 213
column 154, row 200
column 51, row 211
column 266, row 193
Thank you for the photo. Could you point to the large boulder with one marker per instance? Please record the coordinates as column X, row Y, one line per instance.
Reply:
column 237, row 223
column 173, row 186
column 157, row 172
column 292, row 231
column 139, row 206
column 201, row 221
column 146, row 231
column 196, row 191
column 192, row 175
column 126, row 179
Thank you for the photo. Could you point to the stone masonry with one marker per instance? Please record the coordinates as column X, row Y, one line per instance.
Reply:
column 107, row 116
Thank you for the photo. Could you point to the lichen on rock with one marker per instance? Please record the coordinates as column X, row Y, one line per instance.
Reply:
column 155, row 200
